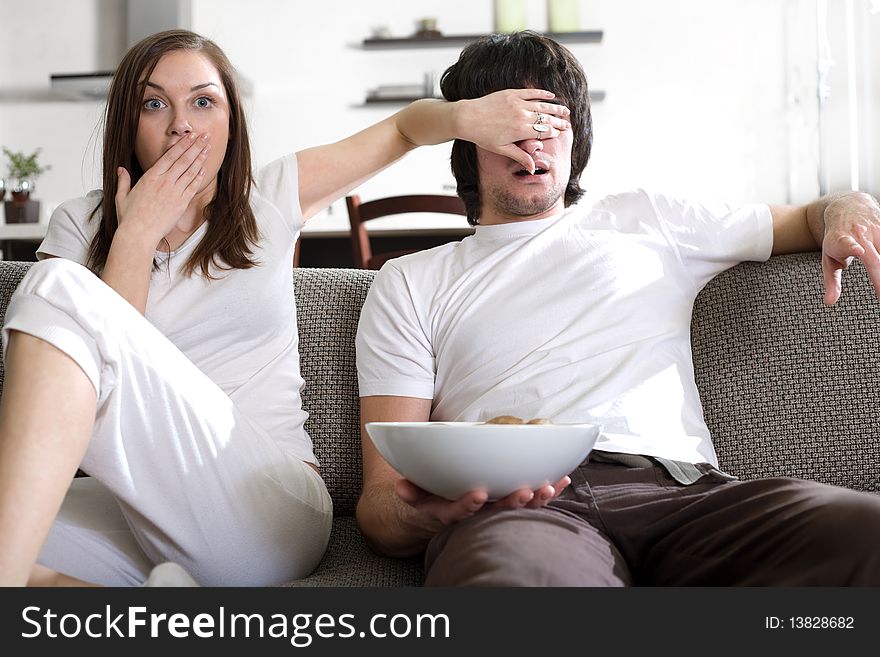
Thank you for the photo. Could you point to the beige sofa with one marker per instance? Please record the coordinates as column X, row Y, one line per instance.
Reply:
column 789, row 387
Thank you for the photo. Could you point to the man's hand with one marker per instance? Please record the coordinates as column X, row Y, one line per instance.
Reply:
column 446, row 512
column 852, row 230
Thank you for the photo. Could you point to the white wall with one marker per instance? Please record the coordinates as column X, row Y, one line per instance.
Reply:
column 695, row 98
column 40, row 37
column 701, row 94
column 850, row 64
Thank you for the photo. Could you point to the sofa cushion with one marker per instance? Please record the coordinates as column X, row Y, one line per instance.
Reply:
column 349, row 562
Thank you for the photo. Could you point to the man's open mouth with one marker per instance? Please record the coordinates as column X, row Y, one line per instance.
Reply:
column 538, row 172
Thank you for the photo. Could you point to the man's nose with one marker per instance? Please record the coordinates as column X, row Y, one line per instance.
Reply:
column 531, row 146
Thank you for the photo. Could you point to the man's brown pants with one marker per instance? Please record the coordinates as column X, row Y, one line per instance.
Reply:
column 622, row 526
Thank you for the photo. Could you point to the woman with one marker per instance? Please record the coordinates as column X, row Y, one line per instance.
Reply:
column 167, row 366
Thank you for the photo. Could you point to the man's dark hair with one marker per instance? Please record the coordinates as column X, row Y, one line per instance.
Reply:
column 513, row 61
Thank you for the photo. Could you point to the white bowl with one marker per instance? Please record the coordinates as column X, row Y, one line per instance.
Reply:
column 451, row 458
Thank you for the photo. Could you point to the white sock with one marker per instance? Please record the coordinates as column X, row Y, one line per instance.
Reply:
column 169, row 574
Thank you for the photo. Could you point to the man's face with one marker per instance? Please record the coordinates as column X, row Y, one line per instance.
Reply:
column 509, row 193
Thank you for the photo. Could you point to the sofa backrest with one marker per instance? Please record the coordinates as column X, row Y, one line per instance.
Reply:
column 11, row 273
column 328, row 303
column 789, row 387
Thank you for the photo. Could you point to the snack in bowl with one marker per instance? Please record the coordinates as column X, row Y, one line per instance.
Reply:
column 506, row 419
column 512, row 419
column 451, row 458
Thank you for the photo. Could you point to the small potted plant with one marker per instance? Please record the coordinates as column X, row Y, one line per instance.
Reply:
column 24, row 169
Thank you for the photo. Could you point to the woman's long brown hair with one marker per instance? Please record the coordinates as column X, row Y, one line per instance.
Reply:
column 232, row 228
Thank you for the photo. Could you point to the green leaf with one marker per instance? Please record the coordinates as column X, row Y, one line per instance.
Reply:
column 23, row 166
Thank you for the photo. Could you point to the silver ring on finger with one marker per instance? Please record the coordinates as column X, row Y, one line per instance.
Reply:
column 540, row 127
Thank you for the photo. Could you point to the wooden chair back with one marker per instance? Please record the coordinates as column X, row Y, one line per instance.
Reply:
column 359, row 213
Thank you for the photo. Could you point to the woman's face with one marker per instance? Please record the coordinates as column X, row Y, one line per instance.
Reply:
column 183, row 95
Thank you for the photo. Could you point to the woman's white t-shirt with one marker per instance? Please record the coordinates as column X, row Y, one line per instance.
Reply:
column 582, row 317
column 240, row 329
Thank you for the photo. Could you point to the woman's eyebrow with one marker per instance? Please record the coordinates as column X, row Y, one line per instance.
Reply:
column 206, row 84
column 195, row 88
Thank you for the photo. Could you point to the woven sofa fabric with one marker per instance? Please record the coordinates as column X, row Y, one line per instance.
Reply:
column 788, row 385
column 349, row 562
column 328, row 305
column 11, row 274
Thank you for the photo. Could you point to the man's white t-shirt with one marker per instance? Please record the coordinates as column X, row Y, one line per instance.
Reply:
column 582, row 317
column 240, row 329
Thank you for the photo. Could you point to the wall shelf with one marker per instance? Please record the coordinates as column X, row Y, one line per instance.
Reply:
column 592, row 36
column 595, row 97
column 407, row 95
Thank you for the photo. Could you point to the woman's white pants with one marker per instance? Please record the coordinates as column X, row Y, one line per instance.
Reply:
column 178, row 473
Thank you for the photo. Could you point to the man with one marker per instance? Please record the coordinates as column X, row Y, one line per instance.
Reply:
column 583, row 315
